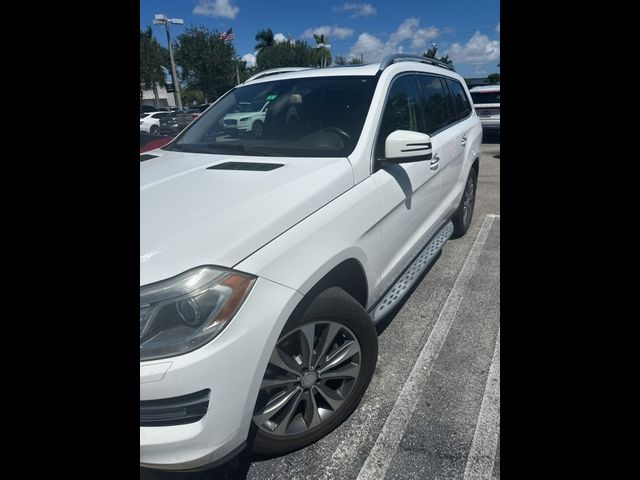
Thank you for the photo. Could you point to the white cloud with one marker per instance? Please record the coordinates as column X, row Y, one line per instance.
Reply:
column 498, row 27
column 216, row 8
column 356, row 9
column 369, row 46
column 250, row 59
column 373, row 49
column 408, row 29
column 279, row 37
column 479, row 49
column 328, row 31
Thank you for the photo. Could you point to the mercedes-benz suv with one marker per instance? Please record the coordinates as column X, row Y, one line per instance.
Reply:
column 266, row 259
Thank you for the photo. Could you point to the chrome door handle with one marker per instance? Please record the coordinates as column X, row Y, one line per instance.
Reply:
column 464, row 140
column 435, row 161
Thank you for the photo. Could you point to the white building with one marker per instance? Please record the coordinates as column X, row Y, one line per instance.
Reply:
column 164, row 99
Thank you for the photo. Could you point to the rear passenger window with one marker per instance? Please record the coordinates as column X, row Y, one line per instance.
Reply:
column 402, row 111
column 460, row 100
column 434, row 107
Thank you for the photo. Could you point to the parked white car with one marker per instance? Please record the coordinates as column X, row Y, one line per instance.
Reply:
column 266, row 260
column 486, row 99
column 247, row 117
column 150, row 122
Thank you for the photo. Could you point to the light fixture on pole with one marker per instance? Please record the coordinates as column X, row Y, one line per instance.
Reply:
column 160, row 19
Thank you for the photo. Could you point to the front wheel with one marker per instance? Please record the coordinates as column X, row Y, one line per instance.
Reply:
column 462, row 218
column 257, row 128
column 318, row 372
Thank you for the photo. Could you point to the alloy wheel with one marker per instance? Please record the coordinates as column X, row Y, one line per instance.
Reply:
column 310, row 374
column 469, row 198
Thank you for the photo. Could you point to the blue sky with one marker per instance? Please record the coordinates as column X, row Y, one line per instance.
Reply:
column 467, row 30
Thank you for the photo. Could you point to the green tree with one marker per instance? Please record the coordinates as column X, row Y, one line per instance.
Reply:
column 325, row 55
column 287, row 54
column 264, row 39
column 355, row 61
column 152, row 59
column 431, row 53
column 191, row 96
column 207, row 62
column 340, row 60
column 493, row 78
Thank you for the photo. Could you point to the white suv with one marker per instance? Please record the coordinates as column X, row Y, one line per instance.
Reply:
column 267, row 259
column 247, row 117
column 486, row 99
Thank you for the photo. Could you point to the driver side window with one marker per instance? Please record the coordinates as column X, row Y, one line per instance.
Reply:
column 401, row 112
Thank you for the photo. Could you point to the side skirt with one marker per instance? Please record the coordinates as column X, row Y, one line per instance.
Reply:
column 411, row 275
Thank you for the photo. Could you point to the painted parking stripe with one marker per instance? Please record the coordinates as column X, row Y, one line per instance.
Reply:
column 379, row 459
column 485, row 439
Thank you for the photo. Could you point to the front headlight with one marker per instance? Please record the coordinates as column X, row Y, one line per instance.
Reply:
column 245, row 119
column 183, row 313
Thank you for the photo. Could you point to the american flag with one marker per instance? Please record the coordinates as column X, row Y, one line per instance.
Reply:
column 228, row 35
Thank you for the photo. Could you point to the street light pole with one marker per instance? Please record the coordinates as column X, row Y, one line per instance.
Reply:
column 162, row 20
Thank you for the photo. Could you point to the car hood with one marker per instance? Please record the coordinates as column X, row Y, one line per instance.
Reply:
column 192, row 216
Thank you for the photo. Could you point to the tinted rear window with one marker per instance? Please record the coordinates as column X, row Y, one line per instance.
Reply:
column 460, row 100
column 485, row 97
column 434, row 106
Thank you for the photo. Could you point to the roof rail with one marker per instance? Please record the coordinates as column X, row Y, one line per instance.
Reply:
column 408, row 57
column 275, row 71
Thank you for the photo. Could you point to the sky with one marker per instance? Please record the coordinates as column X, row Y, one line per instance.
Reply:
column 466, row 30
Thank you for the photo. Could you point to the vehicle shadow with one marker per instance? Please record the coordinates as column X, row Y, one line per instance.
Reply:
column 236, row 468
column 400, row 176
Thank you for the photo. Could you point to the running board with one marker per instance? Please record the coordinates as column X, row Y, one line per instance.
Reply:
column 411, row 274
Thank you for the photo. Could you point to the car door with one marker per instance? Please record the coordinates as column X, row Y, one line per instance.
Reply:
column 458, row 140
column 409, row 192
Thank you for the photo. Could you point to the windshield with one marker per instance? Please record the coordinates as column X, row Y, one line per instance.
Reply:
column 306, row 117
column 480, row 98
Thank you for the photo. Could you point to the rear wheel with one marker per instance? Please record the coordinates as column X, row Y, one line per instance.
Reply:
column 318, row 372
column 154, row 130
column 462, row 218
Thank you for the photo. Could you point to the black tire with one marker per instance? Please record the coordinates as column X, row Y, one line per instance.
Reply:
column 461, row 222
column 257, row 127
column 333, row 305
column 154, row 130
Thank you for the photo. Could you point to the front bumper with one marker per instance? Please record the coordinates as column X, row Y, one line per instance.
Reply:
column 231, row 366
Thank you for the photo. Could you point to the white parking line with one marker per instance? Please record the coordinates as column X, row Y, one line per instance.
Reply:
column 379, row 459
column 485, row 440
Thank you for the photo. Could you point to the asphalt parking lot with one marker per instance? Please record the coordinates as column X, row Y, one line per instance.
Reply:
column 432, row 410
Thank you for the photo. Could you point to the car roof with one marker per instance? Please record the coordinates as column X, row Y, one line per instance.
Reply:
column 485, row 88
column 369, row 69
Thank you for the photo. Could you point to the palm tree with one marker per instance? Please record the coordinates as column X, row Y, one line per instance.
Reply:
column 446, row 59
column 323, row 40
column 152, row 58
column 431, row 53
column 265, row 39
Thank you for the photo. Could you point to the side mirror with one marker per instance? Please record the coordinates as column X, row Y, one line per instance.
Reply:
column 403, row 146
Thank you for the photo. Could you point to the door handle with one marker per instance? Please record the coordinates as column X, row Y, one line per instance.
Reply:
column 435, row 161
column 464, row 140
